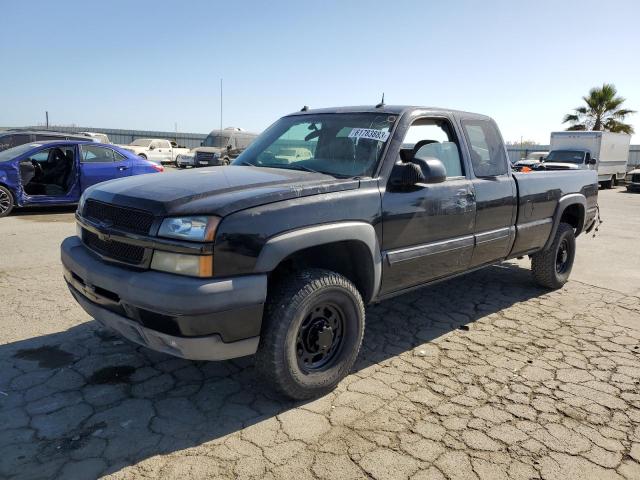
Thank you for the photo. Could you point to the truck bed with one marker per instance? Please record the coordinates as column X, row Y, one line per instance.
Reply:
column 539, row 194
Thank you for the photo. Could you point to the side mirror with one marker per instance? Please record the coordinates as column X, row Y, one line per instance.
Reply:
column 228, row 147
column 406, row 176
column 432, row 168
column 593, row 161
column 202, row 144
column 152, row 147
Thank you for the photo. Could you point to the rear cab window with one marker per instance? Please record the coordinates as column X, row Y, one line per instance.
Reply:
column 488, row 156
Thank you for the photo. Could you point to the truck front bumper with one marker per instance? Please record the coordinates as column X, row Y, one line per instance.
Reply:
column 182, row 161
column 198, row 319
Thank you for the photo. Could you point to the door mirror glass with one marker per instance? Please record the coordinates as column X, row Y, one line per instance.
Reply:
column 405, row 176
column 432, row 168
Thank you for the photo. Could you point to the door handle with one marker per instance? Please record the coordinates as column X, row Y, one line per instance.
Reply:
column 121, row 168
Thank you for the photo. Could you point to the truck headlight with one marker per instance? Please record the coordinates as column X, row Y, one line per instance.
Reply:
column 192, row 265
column 196, row 229
column 83, row 197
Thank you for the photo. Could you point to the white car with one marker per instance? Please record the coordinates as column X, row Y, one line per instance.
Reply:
column 155, row 149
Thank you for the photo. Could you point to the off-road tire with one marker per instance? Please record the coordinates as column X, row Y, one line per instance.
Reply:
column 291, row 302
column 7, row 201
column 544, row 263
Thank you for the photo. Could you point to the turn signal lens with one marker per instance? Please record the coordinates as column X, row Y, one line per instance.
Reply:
column 181, row 264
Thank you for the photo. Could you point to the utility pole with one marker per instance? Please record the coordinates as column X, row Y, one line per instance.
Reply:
column 46, row 114
column 221, row 104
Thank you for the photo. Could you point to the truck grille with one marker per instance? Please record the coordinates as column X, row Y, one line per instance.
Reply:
column 123, row 218
column 123, row 252
column 205, row 156
column 635, row 178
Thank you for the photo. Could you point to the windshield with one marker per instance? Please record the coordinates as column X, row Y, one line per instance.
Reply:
column 142, row 142
column 345, row 145
column 11, row 153
column 218, row 141
column 565, row 156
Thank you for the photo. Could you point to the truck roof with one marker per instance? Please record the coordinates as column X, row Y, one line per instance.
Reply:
column 388, row 109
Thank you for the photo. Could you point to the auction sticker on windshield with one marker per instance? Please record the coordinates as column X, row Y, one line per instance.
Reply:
column 370, row 133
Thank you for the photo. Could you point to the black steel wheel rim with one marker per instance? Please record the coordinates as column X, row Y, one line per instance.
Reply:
column 5, row 201
column 320, row 337
column 562, row 258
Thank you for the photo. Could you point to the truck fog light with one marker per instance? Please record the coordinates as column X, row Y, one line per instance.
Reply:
column 192, row 265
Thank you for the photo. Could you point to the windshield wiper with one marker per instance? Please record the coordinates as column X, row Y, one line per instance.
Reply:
column 304, row 168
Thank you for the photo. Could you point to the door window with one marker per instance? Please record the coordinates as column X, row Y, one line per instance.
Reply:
column 92, row 154
column 433, row 137
column 488, row 156
column 118, row 157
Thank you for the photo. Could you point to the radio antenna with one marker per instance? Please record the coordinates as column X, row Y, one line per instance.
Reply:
column 381, row 104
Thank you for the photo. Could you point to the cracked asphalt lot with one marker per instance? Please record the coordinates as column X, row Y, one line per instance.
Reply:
column 481, row 377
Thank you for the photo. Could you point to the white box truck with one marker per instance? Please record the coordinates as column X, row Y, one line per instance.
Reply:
column 605, row 152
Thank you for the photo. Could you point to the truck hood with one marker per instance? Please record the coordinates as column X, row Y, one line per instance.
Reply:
column 558, row 166
column 207, row 149
column 215, row 190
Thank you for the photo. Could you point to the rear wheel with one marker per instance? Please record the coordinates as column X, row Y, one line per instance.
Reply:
column 311, row 334
column 551, row 268
column 6, row 202
column 142, row 155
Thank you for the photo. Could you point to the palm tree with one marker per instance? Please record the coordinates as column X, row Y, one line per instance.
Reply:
column 602, row 112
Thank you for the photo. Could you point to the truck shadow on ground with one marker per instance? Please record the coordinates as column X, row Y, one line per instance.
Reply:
column 86, row 393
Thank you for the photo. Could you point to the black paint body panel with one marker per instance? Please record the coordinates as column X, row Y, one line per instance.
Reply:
column 425, row 233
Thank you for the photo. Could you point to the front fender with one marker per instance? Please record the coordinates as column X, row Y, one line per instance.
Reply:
column 10, row 178
column 281, row 246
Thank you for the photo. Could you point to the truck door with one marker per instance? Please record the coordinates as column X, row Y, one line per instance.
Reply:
column 428, row 230
column 99, row 164
column 495, row 191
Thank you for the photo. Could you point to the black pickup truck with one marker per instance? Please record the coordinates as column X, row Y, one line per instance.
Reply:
column 278, row 254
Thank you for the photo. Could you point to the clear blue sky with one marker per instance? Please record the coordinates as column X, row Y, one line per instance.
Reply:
column 148, row 64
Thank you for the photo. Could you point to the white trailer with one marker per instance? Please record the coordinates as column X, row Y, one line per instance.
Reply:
column 609, row 150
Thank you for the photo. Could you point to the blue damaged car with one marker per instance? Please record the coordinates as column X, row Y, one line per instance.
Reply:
column 57, row 172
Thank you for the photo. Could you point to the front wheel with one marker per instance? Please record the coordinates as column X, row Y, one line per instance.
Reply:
column 551, row 268
column 142, row 155
column 311, row 333
column 6, row 202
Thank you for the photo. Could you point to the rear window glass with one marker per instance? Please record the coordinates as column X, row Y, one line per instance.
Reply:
column 488, row 156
